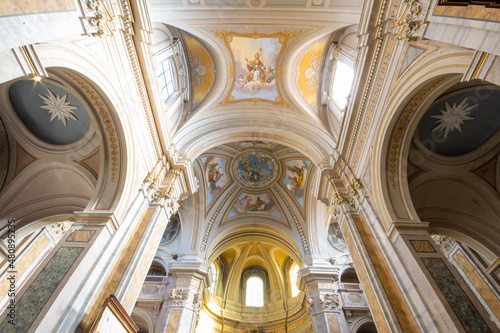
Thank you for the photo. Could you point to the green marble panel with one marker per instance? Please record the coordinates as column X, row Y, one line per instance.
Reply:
column 456, row 297
column 31, row 303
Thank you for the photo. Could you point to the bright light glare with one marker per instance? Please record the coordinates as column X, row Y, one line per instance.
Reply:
column 342, row 82
column 255, row 292
column 294, row 272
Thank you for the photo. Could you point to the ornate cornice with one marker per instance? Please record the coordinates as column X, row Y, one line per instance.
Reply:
column 128, row 33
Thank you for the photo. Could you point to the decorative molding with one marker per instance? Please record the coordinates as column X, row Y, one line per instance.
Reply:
column 400, row 129
column 97, row 18
column 329, row 301
column 295, row 219
column 412, row 21
column 106, row 120
column 348, row 315
column 250, row 183
column 225, row 150
column 178, row 297
column 59, row 229
column 310, row 306
column 286, row 151
column 371, row 77
column 210, row 224
column 134, row 60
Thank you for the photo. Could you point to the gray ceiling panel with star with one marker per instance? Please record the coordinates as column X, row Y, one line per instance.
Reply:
column 461, row 121
column 50, row 112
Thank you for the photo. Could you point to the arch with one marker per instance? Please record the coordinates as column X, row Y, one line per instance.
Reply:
column 85, row 77
column 89, row 75
column 201, row 133
column 417, row 89
column 142, row 319
column 257, row 232
column 364, row 325
column 254, row 291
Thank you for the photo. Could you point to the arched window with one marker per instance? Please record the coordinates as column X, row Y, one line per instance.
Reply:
column 294, row 273
column 157, row 271
column 254, row 292
column 165, row 77
column 342, row 83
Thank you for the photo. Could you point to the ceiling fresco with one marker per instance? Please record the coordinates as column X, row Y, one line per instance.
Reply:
column 309, row 73
column 215, row 174
column 255, row 64
column 461, row 121
column 254, row 57
column 202, row 69
column 254, row 177
column 295, row 178
column 255, row 169
column 50, row 112
column 255, row 203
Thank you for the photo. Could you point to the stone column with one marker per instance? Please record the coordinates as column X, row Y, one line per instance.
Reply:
column 322, row 301
column 409, row 284
column 97, row 257
column 184, row 298
column 440, row 284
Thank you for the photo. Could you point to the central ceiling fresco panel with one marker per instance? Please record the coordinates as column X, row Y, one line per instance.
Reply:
column 256, row 59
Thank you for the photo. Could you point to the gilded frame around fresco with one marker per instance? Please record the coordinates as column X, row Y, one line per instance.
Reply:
column 284, row 38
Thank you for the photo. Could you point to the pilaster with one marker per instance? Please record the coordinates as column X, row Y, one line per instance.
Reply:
column 184, row 298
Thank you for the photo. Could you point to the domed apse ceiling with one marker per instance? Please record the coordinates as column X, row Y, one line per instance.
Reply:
column 255, row 166
column 50, row 112
column 461, row 121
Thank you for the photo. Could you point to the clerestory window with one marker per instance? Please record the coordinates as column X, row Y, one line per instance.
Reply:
column 165, row 77
column 254, row 292
column 342, row 83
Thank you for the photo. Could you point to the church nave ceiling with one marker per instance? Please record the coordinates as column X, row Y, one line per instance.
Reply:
column 259, row 180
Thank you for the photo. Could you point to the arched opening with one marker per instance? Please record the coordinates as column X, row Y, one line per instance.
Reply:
column 254, row 291
column 367, row 328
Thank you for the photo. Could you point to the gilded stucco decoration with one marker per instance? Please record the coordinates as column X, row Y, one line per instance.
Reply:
column 400, row 131
column 202, row 69
column 105, row 117
column 309, row 73
column 255, row 65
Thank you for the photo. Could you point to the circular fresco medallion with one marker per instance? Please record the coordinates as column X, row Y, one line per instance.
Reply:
column 255, row 169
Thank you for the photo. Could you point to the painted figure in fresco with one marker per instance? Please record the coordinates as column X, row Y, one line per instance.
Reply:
column 298, row 180
column 254, row 65
column 243, row 81
column 257, row 206
column 269, row 76
column 252, row 173
column 214, row 175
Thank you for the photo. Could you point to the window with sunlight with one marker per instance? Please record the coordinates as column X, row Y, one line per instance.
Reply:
column 294, row 273
column 165, row 79
column 254, row 292
column 342, row 82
